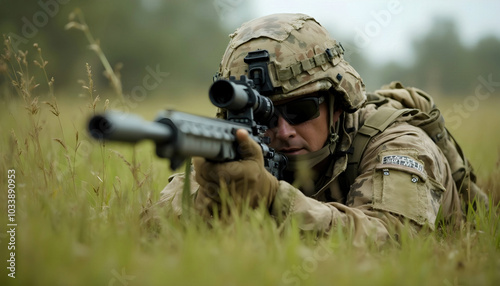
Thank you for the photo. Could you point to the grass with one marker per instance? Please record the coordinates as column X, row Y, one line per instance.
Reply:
column 78, row 204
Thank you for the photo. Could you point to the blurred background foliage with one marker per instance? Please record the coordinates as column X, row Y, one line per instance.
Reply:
column 186, row 39
column 442, row 64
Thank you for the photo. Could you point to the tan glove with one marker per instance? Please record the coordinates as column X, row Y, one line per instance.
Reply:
column 246, row 180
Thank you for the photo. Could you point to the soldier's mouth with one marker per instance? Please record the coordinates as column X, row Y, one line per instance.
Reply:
column 293, row 151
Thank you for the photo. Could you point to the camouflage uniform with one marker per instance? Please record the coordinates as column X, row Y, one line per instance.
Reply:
column 403, row 175
column 381, row 196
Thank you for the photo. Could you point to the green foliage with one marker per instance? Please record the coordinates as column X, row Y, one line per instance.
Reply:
column 84, row 229
column 78, row 205
column 185, row 38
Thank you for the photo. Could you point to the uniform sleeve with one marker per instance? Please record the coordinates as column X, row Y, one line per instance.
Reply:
column 171, row 195
column 403, row 179
column 313, row 215
column 170, row 202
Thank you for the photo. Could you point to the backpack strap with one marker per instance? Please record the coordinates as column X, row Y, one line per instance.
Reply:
column 375, row 124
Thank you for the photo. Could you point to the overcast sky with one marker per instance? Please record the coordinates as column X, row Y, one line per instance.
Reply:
column 384, row 29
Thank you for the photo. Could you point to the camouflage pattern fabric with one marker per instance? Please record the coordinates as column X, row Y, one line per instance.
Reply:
column 303, row 58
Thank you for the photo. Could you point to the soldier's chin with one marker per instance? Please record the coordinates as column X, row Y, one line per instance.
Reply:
column 296, row 162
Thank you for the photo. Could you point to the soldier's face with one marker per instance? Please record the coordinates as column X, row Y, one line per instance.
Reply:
column 302, row 138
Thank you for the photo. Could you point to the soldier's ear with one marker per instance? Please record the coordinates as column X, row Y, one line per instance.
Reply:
column 336, row 114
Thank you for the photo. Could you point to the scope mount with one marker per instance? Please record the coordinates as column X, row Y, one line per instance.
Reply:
column 258, row 71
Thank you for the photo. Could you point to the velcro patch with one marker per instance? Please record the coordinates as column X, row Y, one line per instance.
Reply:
column 403, row 161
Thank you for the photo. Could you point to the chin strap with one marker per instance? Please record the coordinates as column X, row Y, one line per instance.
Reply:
column 310, row 159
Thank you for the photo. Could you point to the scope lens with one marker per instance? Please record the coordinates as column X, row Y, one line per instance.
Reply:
column 226, row 94
column 221, row 93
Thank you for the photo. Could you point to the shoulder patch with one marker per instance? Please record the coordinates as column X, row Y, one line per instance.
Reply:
column 403, row 161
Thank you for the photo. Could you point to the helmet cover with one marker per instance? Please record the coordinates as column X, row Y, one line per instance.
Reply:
column 303, row 59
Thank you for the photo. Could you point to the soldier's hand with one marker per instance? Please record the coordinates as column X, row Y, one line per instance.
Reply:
column 246, row 180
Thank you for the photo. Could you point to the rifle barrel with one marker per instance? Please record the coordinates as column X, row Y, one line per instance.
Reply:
column 124, row 127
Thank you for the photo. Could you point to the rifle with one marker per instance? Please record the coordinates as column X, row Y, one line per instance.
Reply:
column 179, row 135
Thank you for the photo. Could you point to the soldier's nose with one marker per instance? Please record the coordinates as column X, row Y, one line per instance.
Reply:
column 284, row 130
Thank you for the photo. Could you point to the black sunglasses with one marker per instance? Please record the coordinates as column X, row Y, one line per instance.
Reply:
column 297, row 111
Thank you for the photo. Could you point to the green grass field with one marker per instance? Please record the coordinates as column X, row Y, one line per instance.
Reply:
column 77, row 206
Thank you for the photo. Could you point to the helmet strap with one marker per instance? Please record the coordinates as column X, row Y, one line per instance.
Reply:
column 332, row 126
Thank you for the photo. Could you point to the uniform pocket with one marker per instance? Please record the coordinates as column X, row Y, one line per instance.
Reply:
column 403, row 191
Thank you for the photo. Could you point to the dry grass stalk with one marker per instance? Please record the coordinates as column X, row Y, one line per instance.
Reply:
column 77, row 21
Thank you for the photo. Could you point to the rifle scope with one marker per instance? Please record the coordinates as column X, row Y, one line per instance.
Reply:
column 236, row 97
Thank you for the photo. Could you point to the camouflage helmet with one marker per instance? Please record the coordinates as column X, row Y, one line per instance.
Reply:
column 303, row 59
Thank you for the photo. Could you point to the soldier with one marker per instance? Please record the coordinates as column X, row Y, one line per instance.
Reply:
column 400, row 177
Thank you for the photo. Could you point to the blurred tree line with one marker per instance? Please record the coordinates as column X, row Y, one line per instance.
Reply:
column 442, row 64
column 186, row 39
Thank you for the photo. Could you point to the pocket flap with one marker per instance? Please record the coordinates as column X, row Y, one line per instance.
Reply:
column 415, row 173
